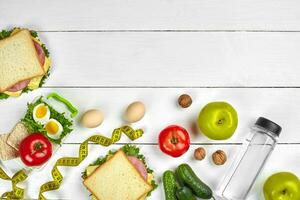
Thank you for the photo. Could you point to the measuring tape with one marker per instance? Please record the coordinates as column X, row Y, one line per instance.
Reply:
column 83, row 153
column 18, row 193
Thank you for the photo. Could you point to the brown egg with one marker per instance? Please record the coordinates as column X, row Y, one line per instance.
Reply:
column 134, row 112
column 92, row 118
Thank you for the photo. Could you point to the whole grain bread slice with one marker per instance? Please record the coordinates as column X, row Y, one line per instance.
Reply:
column 6, row 151
column 18, row 133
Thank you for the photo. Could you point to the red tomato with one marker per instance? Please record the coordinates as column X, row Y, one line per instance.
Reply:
column 174, row 140
column 35, row 150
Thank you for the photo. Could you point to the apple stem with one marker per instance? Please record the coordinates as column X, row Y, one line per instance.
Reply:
column 284, row 191
column 221, row 121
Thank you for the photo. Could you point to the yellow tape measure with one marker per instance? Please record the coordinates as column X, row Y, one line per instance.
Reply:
column 16, row 193
column 83, row 153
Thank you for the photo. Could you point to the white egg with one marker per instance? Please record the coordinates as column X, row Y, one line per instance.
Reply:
column 41, row 113
column 53, row 128
column 135, row 112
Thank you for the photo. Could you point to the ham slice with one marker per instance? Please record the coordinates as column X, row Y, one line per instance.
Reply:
column 19, row 86
column 22, row 84
column 139, row 165
column 40, row 52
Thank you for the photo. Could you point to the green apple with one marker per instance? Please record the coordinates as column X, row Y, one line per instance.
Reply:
column 218, row 120
column 282, row 186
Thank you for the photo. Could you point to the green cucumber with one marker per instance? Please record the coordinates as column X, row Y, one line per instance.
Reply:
column 170, row 185
column 186, row 175
column 185, row 193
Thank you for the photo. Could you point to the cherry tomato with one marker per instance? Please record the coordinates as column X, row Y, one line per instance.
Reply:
column 174, row 140
column 35, row 150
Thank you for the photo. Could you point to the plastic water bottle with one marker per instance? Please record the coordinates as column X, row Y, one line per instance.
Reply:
column 250, row 161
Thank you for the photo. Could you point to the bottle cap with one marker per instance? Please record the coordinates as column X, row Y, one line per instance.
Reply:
column 268, row 125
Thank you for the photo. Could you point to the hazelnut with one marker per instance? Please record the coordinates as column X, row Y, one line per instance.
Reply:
column 199, row 153
column 185, row 100
column 219, row 157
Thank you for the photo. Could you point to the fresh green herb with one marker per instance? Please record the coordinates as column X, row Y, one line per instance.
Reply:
column 3, row 96
column 5, row 33
column 98, row 162
column 34, row 34
column 34, row 126
column 43, row 80
column 26, row 90
column 45, row 50
column 154, row 186
column 129, row 150
column 46, row 75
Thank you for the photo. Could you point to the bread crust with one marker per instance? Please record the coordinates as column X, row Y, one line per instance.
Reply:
column 108, row 162
column 6, row 40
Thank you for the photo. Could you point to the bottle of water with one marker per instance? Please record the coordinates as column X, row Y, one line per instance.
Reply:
column 250, row 161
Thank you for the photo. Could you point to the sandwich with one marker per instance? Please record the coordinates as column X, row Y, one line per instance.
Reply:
column 41, row 117
column 120, row 175
column 24, row 62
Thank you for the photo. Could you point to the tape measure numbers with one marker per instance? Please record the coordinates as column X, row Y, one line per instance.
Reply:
column 83, row 153
column 18, row 193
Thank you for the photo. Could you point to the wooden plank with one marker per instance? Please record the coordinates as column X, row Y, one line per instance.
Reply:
column 152, row 15
column 280, row 105
column 174, row 59
column 282, row 159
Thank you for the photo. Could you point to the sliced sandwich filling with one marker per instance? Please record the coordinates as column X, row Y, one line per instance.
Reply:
column 137, row 161
column 32, row 82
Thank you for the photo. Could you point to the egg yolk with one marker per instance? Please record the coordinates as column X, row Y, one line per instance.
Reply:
column 41, row 111
column 51, row 127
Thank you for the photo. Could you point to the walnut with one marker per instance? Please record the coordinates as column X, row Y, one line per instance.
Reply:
column 219, row 157
column 199, row 153
column 185, row 100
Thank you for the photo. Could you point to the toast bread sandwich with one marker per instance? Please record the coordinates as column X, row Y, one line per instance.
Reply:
column 18, row 60
column 117, row 179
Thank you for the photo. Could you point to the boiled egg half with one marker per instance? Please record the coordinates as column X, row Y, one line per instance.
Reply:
column 53, row 128
column 41, row 113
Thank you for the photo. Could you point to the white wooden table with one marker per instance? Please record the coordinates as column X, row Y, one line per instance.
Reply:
column 109, row 53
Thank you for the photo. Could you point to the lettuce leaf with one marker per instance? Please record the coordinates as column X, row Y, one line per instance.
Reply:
column 3, row 96
column 34, row 126
column 5, row 33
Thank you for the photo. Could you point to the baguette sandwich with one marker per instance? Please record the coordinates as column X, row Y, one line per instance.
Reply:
column 24, row 62
column 120, row 175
